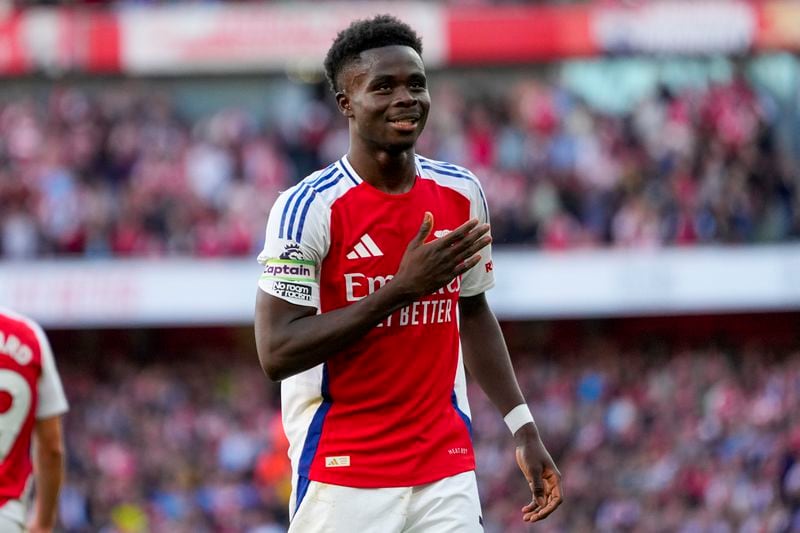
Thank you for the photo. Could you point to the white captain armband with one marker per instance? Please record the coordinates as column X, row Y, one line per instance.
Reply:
column 518, row 417
column 293, row 280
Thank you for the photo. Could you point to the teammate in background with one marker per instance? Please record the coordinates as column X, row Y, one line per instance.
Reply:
column 31, row 403
column 371, row 266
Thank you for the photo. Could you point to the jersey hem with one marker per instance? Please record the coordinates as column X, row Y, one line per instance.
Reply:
column 50, row 413
column 14, row 509
column 414, row 482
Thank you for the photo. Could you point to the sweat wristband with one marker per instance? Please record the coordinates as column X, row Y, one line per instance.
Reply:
column 518, row 417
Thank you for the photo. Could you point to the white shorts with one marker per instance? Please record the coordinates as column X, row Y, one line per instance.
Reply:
column 12, row 517
column 450, row 505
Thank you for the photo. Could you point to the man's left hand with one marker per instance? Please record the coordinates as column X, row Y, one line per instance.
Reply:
column 541, row 472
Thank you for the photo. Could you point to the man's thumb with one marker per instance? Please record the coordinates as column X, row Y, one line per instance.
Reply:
column 425, row 228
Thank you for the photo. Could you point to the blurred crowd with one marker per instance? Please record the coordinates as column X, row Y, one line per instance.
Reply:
column 680, row 168
column 666, row 440
column 121, row 172
column 175, row 447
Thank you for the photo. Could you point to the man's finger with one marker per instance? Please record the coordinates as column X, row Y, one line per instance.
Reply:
column 542, row 512
column 476, row 247
column 531, row 507
column 458, row 233
column 554, row 497
column 424, row 229
column 468, row 240
column 466, row 265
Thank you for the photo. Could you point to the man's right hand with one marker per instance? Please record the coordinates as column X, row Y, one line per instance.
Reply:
column 426, row 267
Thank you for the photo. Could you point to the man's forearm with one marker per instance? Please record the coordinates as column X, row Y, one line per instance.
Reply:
column 486, row 355
column 49, row 466
column 486, row 358
column 306, row 342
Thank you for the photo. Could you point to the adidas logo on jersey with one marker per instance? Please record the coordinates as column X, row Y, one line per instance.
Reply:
column 365, row 247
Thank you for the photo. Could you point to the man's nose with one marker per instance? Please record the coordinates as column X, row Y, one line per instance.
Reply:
column 405, row 97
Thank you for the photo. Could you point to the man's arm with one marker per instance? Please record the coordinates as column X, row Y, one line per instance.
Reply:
column 292, row 338
column 49, row 470
column 487, row 360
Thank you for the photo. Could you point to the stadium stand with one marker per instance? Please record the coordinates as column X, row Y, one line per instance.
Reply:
column 654, row 145
column 119, row 173
column 655, row 428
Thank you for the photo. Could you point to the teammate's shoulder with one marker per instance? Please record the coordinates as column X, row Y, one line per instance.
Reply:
column 22, row 322
column 19, row 318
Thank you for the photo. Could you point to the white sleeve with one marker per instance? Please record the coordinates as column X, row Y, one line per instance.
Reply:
column 297, row 241
column 479, row 278
column 52, row 400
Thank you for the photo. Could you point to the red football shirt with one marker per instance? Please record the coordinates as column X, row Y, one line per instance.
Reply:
column 30, row 389
column 391, row 409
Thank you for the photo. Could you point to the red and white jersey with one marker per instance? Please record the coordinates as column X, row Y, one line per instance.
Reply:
column 30, row 389
column 390, row 410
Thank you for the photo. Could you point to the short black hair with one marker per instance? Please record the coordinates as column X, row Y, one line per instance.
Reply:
column 379, row 31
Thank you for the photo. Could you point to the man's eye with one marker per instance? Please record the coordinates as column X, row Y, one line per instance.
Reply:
column 384, row 88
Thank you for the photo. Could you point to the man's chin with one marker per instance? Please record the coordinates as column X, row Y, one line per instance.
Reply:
column 397, row 146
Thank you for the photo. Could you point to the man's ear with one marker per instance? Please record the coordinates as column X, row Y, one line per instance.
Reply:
column 343, row 103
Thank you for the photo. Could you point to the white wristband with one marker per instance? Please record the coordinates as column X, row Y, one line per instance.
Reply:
column 518, row 417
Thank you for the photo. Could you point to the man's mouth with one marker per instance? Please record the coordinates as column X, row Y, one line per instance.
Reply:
column 405, row 123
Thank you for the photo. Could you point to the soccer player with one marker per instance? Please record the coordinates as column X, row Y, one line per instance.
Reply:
column 31, row 404
column 374, row 280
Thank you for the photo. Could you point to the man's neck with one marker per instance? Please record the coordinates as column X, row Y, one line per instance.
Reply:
column 392, row 173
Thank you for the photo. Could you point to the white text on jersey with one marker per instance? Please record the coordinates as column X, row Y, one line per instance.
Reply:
column 11, row 346
column 421, row 312
column 358, row 286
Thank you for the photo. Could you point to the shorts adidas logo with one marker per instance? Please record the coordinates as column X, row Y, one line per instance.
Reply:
column 365, row 247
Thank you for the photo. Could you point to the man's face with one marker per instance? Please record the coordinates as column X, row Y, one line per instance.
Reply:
column 385, row 95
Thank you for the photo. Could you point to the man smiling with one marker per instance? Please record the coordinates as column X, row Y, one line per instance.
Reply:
column 371, row 266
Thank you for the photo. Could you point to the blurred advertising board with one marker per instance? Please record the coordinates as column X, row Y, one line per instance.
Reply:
column 779, row 25
column 82, row 293
column 54, row 40
column 184, row 38
column 14, row 56
column 248, row 37
column 530, row 285
column 486, row 35
column 702, row 27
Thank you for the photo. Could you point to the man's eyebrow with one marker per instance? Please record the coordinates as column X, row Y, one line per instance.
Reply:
column 381, row 77
column 391, row 77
